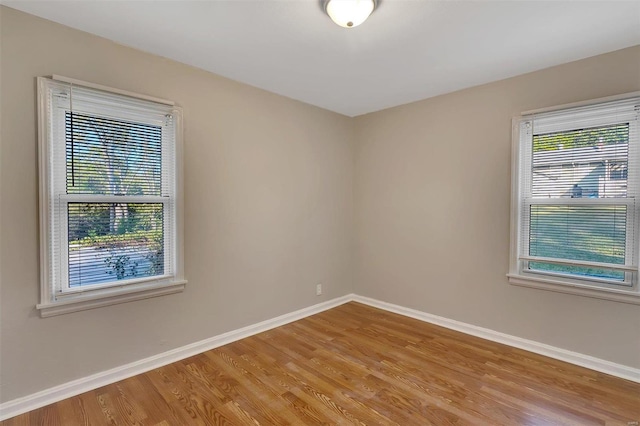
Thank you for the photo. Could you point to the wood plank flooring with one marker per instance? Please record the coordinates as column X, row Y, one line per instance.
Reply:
column 355, row 365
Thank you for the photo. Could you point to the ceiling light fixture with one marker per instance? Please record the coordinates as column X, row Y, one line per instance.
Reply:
column 349, row 13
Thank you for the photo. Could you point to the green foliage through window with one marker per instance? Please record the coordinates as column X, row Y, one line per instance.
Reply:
column 582, row 138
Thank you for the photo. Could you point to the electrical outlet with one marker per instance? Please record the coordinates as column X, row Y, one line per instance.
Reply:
column 318, row 289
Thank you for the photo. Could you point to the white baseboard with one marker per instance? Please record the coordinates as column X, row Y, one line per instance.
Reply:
column 576, row 358
column 57, row 393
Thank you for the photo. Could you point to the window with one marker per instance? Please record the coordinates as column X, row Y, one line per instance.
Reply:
column 109, row 195
column 575, row 201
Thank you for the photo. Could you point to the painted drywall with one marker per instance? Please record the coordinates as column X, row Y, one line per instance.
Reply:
column 268, row 209
column 432, row 190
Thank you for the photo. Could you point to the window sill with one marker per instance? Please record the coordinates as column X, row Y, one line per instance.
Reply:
column 623, row 296
column 111, row 296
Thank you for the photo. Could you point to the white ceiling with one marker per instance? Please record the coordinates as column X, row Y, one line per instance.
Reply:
column 406, row 51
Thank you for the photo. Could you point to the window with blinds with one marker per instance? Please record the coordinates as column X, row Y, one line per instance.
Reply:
column 578, row 185
column 110, row 190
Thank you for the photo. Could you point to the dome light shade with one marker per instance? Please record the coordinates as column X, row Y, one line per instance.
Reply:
column 349, row 13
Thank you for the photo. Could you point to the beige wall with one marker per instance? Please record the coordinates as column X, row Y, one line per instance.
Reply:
column 432, row 191
column 268, row 209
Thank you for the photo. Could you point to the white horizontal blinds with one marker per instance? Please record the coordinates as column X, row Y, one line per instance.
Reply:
column 110, row 104
column 587, row 233
column 99, row 252
column 112, row 156
column 579, row 187
column 589, row 163
column 114, row 179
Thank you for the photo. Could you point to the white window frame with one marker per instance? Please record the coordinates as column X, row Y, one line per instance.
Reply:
column 57, row 301
column 518, row 274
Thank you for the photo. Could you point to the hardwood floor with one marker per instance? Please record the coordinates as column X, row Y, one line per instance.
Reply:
column 356, row 365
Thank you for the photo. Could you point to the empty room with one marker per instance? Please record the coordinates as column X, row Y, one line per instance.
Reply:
column 319, row 212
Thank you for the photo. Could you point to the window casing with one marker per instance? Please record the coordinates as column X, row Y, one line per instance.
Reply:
column 110, row 197
column 575, row 207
